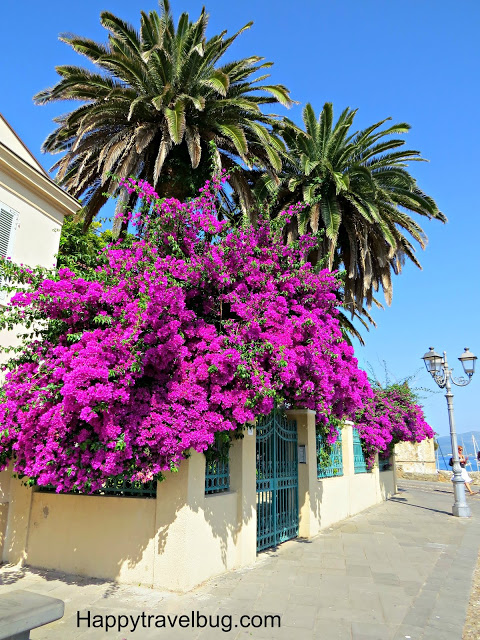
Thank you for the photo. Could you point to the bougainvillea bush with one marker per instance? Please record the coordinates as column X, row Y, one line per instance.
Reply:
column 391, row 415
column 194, row 328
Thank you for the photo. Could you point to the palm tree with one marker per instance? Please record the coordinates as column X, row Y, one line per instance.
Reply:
column 156, row 102
column 359, row 195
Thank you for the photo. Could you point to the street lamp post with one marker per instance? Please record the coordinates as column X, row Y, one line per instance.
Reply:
column 442, row 374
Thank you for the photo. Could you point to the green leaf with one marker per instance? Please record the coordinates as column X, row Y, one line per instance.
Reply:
column 309, row 192
column 176, row 122
column 236, row 135
column 74, row 337
column 218, row 81
column 331, row 216
column 340, row 182
column 199, row 103
column 274, row 158
column 308, row 165
column 279, row 92
column 133, row 104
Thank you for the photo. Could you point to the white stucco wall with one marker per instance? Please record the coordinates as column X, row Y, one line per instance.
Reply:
column 39, row 206
column 173, row 542
column 323, row 502
column 10, row 139
column 37, row 233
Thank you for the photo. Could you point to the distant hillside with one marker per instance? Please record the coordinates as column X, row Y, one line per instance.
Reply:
column 464, row 439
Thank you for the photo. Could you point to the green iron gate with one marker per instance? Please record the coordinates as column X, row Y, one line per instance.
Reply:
column 277, row 480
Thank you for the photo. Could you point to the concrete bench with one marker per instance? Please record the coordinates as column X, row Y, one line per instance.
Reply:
column 21, row 611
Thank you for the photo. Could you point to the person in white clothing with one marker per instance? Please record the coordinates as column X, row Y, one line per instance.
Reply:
column 465, row 477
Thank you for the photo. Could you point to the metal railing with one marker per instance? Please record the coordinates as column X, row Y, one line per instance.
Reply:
column 119, row 486
column 335, row 466
column 217, row 476
column 359, row 462
column 384, row 463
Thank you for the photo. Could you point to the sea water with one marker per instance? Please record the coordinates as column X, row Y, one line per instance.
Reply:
column 442, row 460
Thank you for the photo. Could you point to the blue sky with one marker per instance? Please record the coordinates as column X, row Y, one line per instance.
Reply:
column 416, row 61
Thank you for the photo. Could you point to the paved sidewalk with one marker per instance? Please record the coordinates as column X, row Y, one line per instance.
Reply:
column 400, row 570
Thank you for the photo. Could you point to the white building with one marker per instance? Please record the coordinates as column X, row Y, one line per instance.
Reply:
column 32, row 206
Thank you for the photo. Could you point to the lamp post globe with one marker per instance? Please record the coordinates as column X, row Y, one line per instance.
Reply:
column 468, row 362
column 433, row 361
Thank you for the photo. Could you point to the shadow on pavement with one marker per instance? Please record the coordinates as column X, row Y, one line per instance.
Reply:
column 418, row 506
column 10, row 574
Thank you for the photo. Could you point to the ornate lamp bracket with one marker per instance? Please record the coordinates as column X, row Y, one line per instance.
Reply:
column 440, row 378
column 461, row 381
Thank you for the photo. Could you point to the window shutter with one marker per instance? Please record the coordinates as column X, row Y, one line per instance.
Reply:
column 7, row 219
column 8, row 225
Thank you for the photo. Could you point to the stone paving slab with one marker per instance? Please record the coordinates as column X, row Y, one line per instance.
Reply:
column 400, row 570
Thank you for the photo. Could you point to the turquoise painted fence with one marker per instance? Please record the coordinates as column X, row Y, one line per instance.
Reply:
column 119, row 486
column 384, row 463
column 277, row 480
column 359, row 463
column 335, row 466
column 217, row 476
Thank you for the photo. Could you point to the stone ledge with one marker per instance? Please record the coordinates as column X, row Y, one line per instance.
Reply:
column 21, row 611
column 440, row 476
